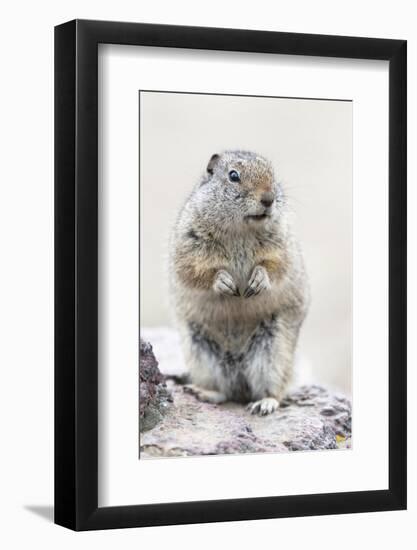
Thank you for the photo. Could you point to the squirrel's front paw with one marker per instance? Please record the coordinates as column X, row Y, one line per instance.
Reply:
column 224, row 284
column 258, row 282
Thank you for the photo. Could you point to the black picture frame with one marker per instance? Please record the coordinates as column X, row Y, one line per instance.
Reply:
column 76, row 272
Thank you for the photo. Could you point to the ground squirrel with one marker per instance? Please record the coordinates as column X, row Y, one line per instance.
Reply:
column 239, row 284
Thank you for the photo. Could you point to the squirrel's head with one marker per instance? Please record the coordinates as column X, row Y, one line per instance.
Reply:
column 243, row 183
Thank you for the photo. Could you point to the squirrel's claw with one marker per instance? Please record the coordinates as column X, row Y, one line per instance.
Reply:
column 248, row 292
column 258, row 282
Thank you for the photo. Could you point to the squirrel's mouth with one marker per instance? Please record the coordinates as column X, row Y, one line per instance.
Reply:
column 257, row 217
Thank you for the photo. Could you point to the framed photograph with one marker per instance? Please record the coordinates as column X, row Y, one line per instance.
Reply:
column 230, row 284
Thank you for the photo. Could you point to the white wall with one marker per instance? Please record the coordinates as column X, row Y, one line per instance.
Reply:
column 310, row 146
column 27, row 270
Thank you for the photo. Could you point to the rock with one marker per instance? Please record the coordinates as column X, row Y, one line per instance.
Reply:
column 310, row 418
column 154, row 397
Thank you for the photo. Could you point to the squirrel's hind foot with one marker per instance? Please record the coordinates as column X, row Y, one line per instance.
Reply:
column 207, row 396
column 264, row 406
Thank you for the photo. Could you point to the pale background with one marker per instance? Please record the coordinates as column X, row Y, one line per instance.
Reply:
column 309, row 143
column 26, row 221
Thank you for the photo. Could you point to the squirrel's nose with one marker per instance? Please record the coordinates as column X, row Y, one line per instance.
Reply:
column 267, row 199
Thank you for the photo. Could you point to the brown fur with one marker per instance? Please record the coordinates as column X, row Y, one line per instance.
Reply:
column 274, row 261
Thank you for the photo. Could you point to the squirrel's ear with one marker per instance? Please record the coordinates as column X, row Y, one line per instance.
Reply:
column 212, row 163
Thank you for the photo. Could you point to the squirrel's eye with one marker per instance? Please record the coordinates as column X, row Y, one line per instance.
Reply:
column 234, row 175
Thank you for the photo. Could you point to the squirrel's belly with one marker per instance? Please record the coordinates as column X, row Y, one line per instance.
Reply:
column 230, row 319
